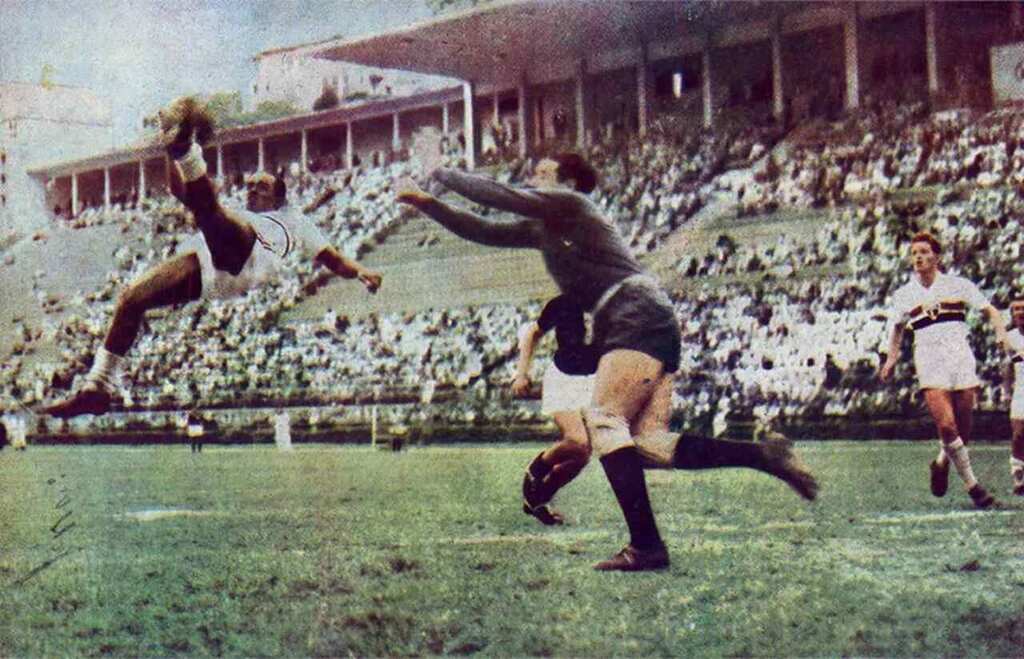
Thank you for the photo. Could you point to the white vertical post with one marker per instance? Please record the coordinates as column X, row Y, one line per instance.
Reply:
column 581, row 105
column 523, row 116
column 74, row 194
column 142, row 180
column 852, row 57
column 931, row 47
column 469, row 124
column 349, row 153
column 778, row 95
column 106, row 188
column 708, row 101
column 259, row 146
column 304, row 149
column 396, row 133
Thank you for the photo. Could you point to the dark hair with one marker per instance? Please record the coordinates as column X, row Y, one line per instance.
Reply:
column 925, row 237
column 573, row 166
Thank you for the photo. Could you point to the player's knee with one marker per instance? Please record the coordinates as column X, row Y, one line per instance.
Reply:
column 130, row 302
column 948, row 432
column 577, row 448
column 606, row 432
column 657, row 449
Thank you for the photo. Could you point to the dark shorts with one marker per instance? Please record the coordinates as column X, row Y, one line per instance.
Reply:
column 640, row 317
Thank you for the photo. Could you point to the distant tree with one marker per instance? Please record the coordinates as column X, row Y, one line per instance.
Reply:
column 328, row 99
column 224, row 105
column 265, row 111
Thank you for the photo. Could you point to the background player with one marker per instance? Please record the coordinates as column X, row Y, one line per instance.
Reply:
column 237, row 250
column 1014, row 384
column 567, row 388
column 934, row 305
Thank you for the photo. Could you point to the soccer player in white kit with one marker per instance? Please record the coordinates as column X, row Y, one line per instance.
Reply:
column 934, row 306
column 234, row 252
column 1014, row 382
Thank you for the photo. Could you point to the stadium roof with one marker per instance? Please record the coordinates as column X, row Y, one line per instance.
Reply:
column 499, row 42
column 510, row 36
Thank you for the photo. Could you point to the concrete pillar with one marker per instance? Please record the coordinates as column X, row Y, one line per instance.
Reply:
column 469, row 124
column 74, row 194
column 523, row 116
column 349, row 153
column 259, row 147
column 931, row 48
column 851, row 40
column 142, row 180
column 220, row 163
column 304, row 148
column 708, row 101
column 497, row 106
column 446, row 119
column 106, row 188
column 396, row 134
column 644, row 92
column 538, row 121
column 581, row 105
column 778, row 95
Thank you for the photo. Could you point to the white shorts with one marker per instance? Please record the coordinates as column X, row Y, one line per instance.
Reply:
column 1017, row 405
column 951, row 369
column 260, row 268
column 565, row 393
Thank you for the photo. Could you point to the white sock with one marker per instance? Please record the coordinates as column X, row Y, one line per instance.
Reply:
column 957, row 453
column 942, row 459
column 192, row 164
column 106, row 370
column 1017, row 470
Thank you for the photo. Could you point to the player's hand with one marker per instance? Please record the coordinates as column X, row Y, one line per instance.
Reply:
column 183, row 121
column 521, row 386
column 407, row 191
column 371, row 280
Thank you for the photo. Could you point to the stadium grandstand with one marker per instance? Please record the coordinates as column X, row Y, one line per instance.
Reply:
column 768, row 161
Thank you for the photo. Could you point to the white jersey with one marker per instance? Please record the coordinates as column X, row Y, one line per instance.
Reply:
column 278, row 235
column 937, row 314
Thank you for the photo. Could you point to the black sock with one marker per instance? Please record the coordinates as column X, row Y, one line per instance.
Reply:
column 626, row 476
column 693, row 452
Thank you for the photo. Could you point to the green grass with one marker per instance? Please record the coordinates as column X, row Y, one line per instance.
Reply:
column 348, row 551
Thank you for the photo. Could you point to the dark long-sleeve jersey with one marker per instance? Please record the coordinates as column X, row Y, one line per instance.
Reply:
column 582, row 250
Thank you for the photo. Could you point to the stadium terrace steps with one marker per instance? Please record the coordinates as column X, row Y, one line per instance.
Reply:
column 70, row 260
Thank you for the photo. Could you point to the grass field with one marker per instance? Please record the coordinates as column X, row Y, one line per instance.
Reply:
column 349, row 551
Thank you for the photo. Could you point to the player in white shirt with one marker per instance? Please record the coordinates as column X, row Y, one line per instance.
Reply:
column 1014, row 383
column 234, row 252
column 934, row 306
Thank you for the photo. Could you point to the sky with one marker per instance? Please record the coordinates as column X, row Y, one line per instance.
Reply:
column 140, row 54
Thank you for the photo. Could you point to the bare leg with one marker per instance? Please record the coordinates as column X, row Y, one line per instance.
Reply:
column 625, row 382
column 1017, row 456
column 660, row 448
column 173, row 282
column 555, row 468
column 943, row 410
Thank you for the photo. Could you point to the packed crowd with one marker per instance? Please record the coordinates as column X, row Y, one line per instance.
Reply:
column 780, row 329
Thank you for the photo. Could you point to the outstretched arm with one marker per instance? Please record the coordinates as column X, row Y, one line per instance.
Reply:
column 521, row 232
column 537, row 204
column 339, row 264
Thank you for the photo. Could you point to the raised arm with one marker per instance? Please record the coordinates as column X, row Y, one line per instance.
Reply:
column 539, row 204
column 521, row 232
